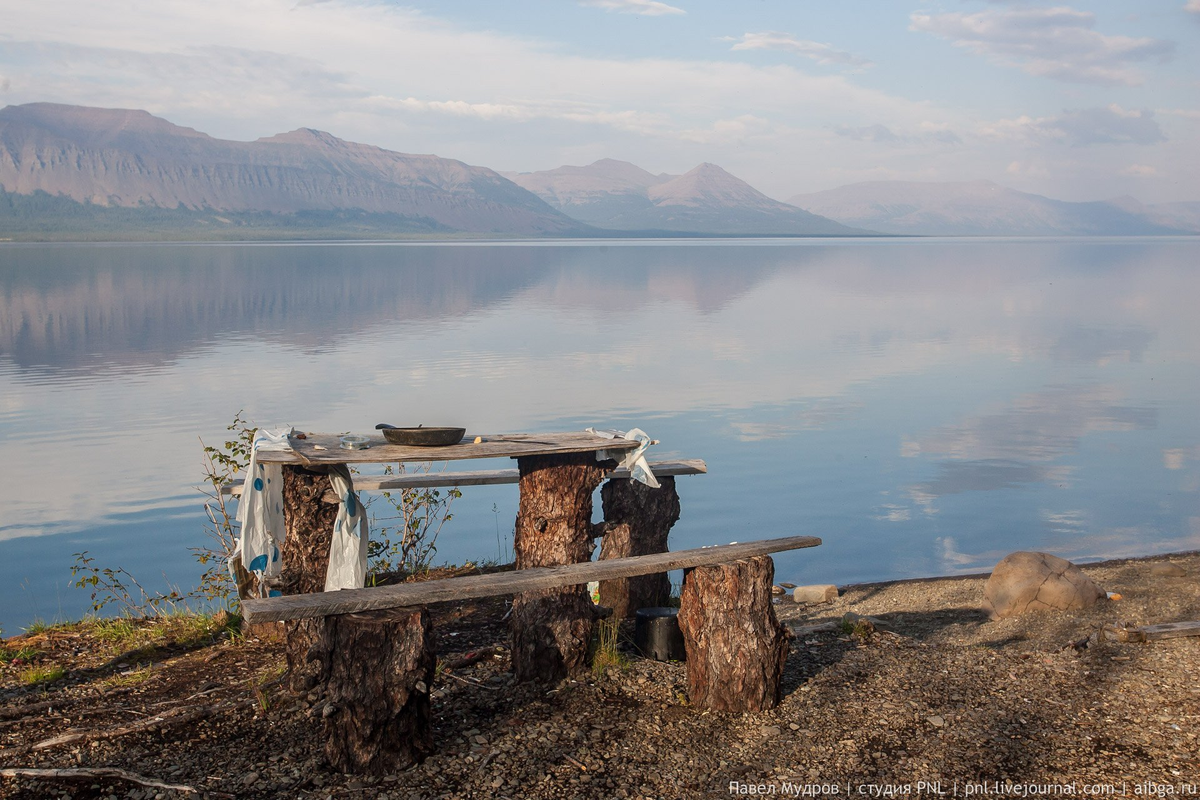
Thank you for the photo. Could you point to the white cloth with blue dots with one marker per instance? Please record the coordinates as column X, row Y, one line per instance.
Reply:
column 348, row 550
column 260, row 508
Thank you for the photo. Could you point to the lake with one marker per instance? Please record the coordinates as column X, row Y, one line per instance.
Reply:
column 924, row 405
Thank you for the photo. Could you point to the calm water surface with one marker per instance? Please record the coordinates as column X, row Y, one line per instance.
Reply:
column 925, row 406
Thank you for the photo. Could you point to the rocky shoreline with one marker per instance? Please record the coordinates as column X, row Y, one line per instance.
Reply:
column 932, row 697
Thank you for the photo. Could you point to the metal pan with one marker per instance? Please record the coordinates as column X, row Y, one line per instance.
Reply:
column 421, row 436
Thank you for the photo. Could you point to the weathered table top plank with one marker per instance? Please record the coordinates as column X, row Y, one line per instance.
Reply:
column 406, row 595
column 491, row 477
column 325, row 448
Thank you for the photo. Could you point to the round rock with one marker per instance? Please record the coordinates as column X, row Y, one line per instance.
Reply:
column 1026, row 581
column 1166, row 569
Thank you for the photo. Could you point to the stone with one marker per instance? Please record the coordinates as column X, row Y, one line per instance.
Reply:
column 936, row 721
column 819, row 593
column 1025, row 581
column 778, row 590
column 1167, row 569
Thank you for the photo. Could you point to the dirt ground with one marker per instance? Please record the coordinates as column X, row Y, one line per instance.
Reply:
column 938, row 693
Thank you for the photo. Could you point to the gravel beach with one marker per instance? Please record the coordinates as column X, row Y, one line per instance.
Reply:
column 931, row 697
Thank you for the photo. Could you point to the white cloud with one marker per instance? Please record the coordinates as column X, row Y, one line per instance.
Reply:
column 1081, row 127
column 385, row 75
column 1139, row 171
column 1057, row 43
column 648, row 8
column 817, row 51
column 454, row 107
column 927, row 132
column 1026, row 168
column 1192, row 6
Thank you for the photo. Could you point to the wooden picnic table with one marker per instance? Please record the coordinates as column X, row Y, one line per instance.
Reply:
column 558, row 474
column 370, row 651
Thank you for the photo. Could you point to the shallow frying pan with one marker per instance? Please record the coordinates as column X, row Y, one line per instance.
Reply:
column 421, row 436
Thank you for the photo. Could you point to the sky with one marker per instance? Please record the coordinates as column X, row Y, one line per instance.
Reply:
column 1080, row 101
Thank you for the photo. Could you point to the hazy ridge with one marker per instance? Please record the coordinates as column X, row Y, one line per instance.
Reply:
column 983, row 208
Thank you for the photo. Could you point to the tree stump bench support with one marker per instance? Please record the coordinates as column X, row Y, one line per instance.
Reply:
column 377, row 669
column 735, row 646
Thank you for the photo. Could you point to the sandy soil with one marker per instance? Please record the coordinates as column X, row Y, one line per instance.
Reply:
column 937, row 693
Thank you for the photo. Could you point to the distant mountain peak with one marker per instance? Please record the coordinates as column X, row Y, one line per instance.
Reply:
column 94, row 124
column 306, row 136
column 709, row 185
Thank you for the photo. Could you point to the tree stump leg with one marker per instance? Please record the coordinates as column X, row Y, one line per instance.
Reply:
column 376, row 668
column 735, row 646
column 309, row 525
column 552, row 629
column 637, row 522
column 552, row 632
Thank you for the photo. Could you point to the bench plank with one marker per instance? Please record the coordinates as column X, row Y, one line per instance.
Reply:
column 413, row 595
column 490, row 477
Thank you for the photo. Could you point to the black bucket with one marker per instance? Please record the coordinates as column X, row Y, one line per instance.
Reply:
column 656, row 634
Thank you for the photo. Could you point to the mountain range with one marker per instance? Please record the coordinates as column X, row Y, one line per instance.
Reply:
column 75, row 172
column 64, row 166
column 130, row 159
column 618, row 195
column 983, row 208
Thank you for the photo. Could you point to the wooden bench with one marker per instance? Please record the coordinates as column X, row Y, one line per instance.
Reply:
column 374, row 646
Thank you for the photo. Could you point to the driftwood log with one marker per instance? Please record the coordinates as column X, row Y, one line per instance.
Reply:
column 637, row 522
column 735, row 646
column 552, row 628
column 309, row 524
column 93, row 774
column 376, row 669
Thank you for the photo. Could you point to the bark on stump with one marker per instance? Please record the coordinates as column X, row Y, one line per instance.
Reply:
column 309, row 525
column 735, row 646
column 637, row 522
column 376, row 668
column 552, row 628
